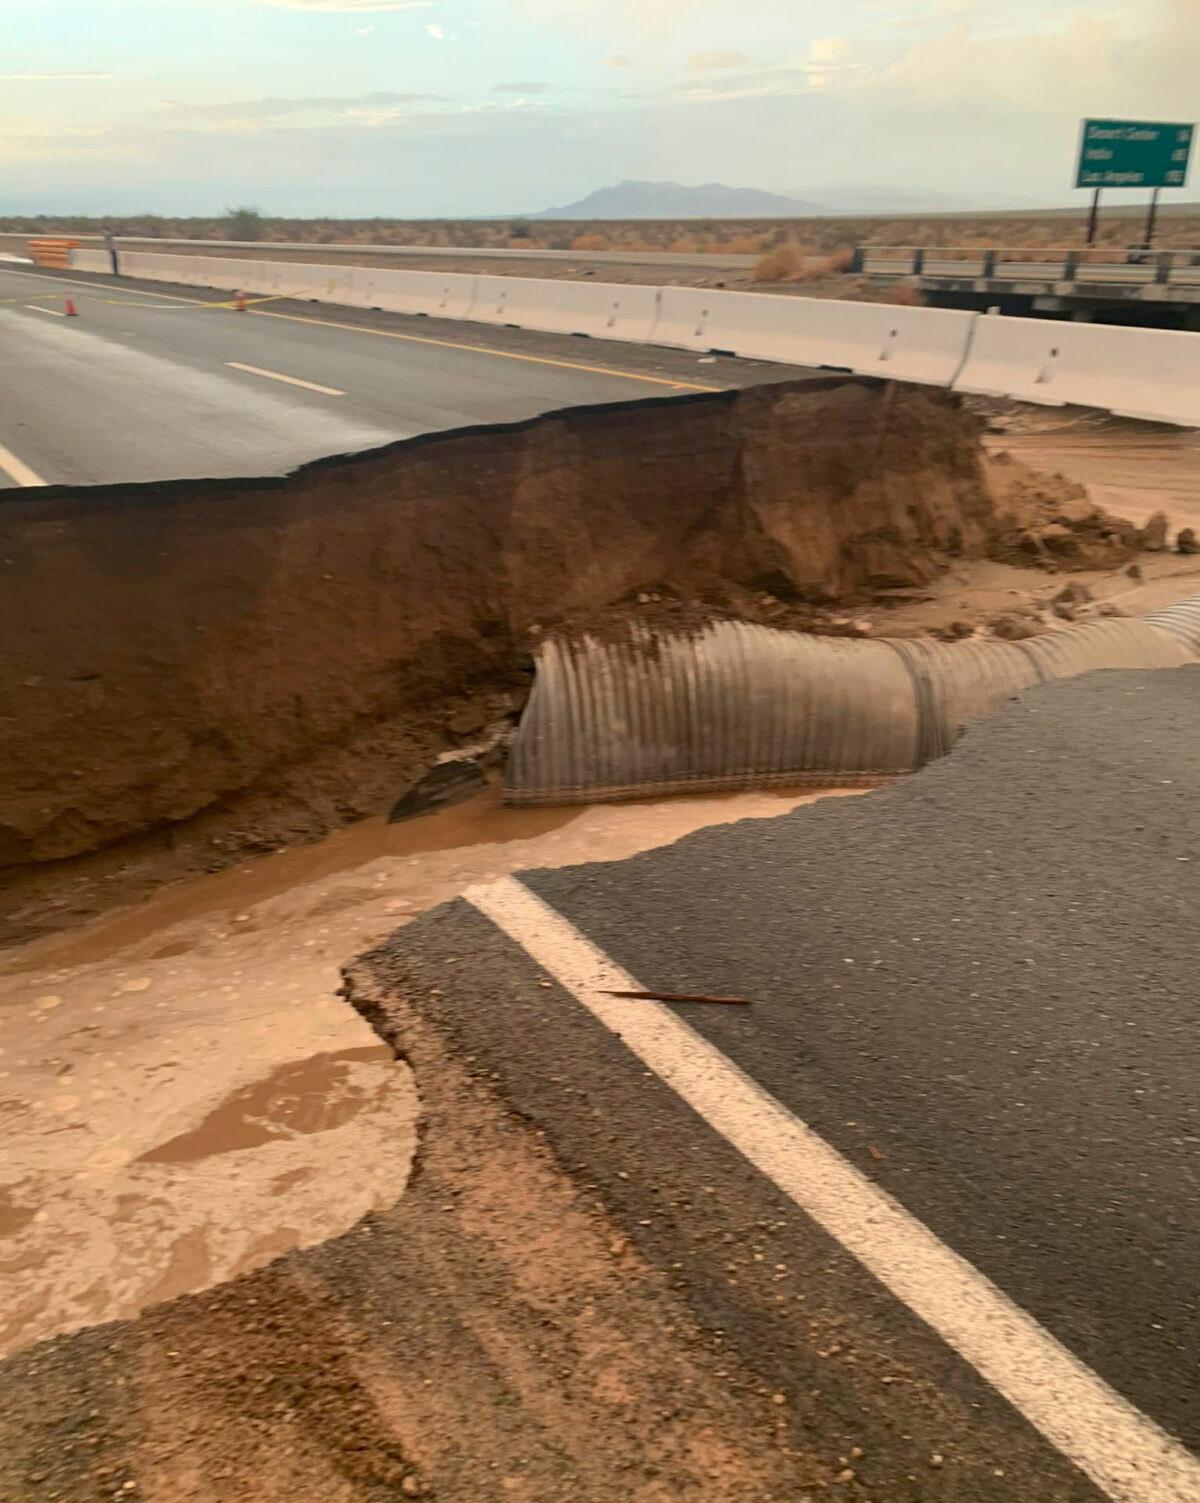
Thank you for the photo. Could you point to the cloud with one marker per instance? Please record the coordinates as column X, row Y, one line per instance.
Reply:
column 250, row 110
column 705, row 62
column 51, row 77
column 363, row 31
column 347, row 5
column 1140, row 70
column 619, row 60
column 436, row 32
column 520, row 88
column 828, row 51
column 829, row 60
column 606, row 17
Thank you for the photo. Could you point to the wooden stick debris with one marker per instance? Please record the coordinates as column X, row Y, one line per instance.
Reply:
column 680, row 997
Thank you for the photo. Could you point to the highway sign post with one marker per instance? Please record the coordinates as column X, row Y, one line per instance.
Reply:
column 1132, row 154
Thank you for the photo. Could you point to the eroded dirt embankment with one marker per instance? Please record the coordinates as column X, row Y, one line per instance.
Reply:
column 170, row 647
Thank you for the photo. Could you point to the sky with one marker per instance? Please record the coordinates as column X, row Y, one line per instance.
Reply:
column 412, row 108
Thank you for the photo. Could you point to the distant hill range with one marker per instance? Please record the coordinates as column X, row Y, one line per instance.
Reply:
column 642, row 200
column 632, row 200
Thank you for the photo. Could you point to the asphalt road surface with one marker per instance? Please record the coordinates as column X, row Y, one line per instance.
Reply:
column 968, row 1058
column 150, row 383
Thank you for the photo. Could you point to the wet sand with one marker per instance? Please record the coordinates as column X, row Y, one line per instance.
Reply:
column 185, row 1096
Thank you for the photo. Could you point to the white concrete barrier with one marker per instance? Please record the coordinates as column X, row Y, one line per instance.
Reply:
column 440, row 295
column 1141, row 373
column 86, row 258
column 872, row 339
column 605, row 310
column 222, row 272
column 449, row 296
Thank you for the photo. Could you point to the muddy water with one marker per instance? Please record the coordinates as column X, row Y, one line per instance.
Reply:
column 183, row 1095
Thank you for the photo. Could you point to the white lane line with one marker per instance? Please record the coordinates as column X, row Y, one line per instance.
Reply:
column 53, row 312
column 254, row 370
column 1123, row 1451
column 17, row 471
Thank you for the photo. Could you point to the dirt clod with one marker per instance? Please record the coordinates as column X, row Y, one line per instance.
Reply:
column 1154, row 533
column 1053, row 522
column 1012, row 626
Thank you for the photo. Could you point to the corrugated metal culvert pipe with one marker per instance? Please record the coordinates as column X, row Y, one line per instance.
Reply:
column 741, row 706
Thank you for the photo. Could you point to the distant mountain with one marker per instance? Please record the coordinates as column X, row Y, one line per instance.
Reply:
column 867, row 198
column 636, row 200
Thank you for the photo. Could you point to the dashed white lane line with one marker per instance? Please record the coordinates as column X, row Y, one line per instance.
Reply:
column 1123, row 1451
column 53, row 312
column 255, row 370
column 17, row 471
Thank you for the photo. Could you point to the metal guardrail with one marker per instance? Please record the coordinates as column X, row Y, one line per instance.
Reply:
column 333, row 251
column 1101, row 264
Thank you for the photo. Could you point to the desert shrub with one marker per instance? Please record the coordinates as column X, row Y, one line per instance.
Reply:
column 589, row 242
column 786, row 263
column 243, row 223
column 793, row 262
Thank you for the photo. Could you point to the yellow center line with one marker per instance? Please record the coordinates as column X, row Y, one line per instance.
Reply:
column 479, row 349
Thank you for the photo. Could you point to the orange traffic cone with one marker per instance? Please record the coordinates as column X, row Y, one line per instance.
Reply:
column 239, row 302
column 71, row 310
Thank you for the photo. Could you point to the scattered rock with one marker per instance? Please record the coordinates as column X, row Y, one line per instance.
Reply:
column 846, row 626
column 466, row 722
column 1054, row 522
column 1134, row 571
column 411, row 1486
column 448, row 782
column 845, row 1475
column 1057, row 537
column 1186, row 541
column 956, row 631
column 1066, row 604
column 1011, row 627
column 1153, row 536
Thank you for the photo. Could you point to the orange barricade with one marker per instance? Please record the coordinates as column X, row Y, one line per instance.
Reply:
column 52, row 251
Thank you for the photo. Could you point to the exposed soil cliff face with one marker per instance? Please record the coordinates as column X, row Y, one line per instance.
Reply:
column 167, row 648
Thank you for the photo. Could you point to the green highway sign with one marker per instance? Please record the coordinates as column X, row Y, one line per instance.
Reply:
column 1133, row 154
